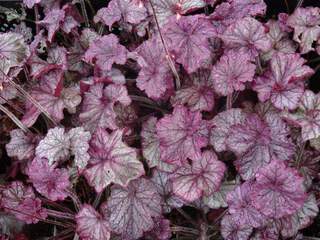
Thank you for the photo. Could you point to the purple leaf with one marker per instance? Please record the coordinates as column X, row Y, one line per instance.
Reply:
column 269, row 232
column 248, row 36
column 305, row 22
column 72, row 18
column 201, row 178
column 164, row 9
column 51, row 182
column 112, row 161
column 241, row 208
column 22, row 145
column 219, row 199
column 57, row 59
column 105, row 51
column 198, row 96
column 98, row 104
column 181, row 134
column 289, row 226
column 231, row 73
column 243, row 8
column 221, row 126
column 31, row 3
column 155, row 76
column 257, row 141
column 20, row 201
column 132, row 209
column 52, row 22
column 282, row 83
column 59, row 145
column 161, row 230
column 188, row 41
column 151, row 146
column 125, row 10
column 48, row 94
column 91, row 225
column 13, row 52
column 280, row 185
column 230, row 12
column 280, row 40
column 79, row 146
column 164, row 188
column 307, row 115
column 55, row 146
column 231, row 230
column 8, row 92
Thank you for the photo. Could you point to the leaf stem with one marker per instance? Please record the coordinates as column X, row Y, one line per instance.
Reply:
column 84, row 13
column 184, row 230
column 97, row 199
column 76, row 201
column 14, row 119
column 65, row 225
column 299, row 4
column 32, row 100
column 229, row 101
column 186, row 216
column 58, row 214
column 287, row 5
column 168, row 56
column 36, row 15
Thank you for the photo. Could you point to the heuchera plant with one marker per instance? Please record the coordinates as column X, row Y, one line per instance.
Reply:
column 159, row 119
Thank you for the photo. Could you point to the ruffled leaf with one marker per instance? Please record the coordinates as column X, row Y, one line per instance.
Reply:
column 22, row 145
column 221, row 126
column 231, row 73
column 282, row 83
column 188, row 40
column 307, row 116
column 151, row 146
column 164, row 9
column 164, row 188
column 257, row 141
column 13, row 51
column 98, row 106
column 125, row 10
column 281, row 186
column 59, row 145
column 181, row 134
column 306, row 25
column 155, row 76
column 132, row 209
column 280, row 40
column 55, row 146
column 161, row 230
column 48, row 93
column 201, row 178
column 289, row 226
column 231, row 230
column 198, row 96
column 79, row 146
column 112, row 161
column 52, row 22
column 21, row 201
column 51, row 182
column 241, row 208
column 248, row 36
column 219, row 199
column 105, row 51
column 91, row 225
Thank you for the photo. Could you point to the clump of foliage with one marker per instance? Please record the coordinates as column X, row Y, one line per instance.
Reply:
column 159, row 119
